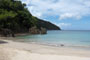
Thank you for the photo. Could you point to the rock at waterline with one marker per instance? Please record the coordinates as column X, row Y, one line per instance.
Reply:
column 35, row 30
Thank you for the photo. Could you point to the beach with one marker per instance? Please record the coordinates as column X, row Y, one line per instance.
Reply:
column 44, row 29
column 10, row 50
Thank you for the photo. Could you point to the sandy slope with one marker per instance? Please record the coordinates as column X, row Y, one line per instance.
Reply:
column 22, row 51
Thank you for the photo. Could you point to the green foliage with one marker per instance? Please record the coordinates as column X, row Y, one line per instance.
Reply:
column 4, row 14
column 15, row 16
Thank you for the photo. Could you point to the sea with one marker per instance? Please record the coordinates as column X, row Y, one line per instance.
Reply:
column 69, row 38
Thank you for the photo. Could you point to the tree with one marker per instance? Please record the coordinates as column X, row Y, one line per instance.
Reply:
column 14, row 15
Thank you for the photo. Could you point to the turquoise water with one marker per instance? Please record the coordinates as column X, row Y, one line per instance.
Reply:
column 68, row 38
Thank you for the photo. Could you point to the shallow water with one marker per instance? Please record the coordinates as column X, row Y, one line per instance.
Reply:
column 67, row 38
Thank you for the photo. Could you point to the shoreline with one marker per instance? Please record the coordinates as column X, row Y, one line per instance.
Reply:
column 84, row 47
column 32, row 50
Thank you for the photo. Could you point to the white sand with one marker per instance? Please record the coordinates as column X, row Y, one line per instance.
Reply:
column 23, row 51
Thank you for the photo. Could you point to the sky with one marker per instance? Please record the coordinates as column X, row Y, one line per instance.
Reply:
column 67, row 14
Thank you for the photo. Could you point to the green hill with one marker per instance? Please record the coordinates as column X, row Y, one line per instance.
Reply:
column 15, row 16
column 47, row 25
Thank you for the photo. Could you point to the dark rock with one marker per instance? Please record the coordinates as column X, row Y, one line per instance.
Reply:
column 43, row 31
column 62, row 45
column 35, row 30
column 2, row 42
column 6, row 33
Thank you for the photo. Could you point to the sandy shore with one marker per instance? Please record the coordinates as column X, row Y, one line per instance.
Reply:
column 10, row 50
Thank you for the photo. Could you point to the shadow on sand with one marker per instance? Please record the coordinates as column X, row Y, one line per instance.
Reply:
column 3, row 42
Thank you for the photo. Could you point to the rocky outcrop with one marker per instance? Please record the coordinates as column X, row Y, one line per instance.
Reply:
column 35, row 30
column 43, row 31
column 6, row 33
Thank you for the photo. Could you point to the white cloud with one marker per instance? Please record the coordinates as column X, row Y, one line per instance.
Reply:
column 63, row 8
column 69, row 15
column 26, row 1
column 64, row 24
column 34, row 13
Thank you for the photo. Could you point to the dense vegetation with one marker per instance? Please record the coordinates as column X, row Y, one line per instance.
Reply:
column 15, row 16
column 47, row 25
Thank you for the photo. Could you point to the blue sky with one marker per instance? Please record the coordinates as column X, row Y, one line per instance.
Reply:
column 67, row 14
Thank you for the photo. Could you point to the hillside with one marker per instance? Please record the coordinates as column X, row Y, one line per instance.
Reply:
column 47, row 25
column 16, row 18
